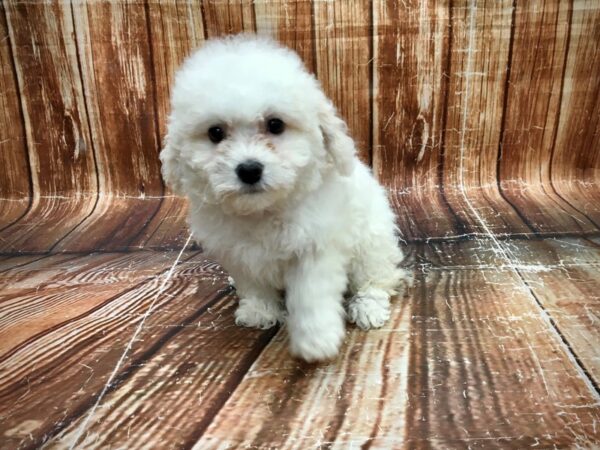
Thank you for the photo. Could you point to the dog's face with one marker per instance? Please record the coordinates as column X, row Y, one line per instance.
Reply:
column 250, row 127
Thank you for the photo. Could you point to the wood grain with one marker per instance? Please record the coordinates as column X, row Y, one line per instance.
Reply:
column 480, row 118
column 409, row 89
column 357, row 399
column 487, row 370
column 291, row 23
column 479, row 57
column 123, row 123
column 190, row 377
column 61, row 155
column 15, row 191
column 70, row 361
column 344, row 62
column 175, row 30
column 469, row 357
column 222, row 17
column 460, row 364
column 576, row 159
column 534, row 89
column 563, row 275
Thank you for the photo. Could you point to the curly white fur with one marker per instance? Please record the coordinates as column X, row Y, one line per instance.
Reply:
column 316, row 225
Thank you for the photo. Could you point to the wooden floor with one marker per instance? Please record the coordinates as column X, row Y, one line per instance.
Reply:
column 497, row 345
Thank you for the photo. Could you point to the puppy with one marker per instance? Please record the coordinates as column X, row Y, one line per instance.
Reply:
column 278, row 196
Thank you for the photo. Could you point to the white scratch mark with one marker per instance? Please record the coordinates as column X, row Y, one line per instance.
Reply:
column 137, row 331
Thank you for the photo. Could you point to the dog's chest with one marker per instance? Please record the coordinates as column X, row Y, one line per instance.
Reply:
column 262, row 250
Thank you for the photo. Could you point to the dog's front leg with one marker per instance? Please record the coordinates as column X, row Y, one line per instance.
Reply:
column 260, row 306
column 314, row 290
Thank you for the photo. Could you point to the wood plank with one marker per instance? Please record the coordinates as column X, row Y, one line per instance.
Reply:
column 291, row 23
column 190, row 377
column 343, row 64
column 228, row 17
column 576, row 160
column 409, row 90
column 487, row 370
column 556, row 252
column 8, row 262
column 357, row 399
column 15, row 191
column 563, row 275
column 570, row 296
column 480, row 43
column 175, row 29
column 460, row 364
column 117, row 71
column 168, row 229
column 32, row 270
column 60, row 150
column 47, row 293
column 69, row 364
column 541, row 34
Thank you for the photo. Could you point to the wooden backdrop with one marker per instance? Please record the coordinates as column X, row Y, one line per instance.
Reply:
column 481, row 117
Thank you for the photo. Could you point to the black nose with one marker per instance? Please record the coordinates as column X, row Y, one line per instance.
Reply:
column 249, row 171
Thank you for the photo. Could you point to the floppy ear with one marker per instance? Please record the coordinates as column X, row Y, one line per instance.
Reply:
column 337, row 141
column 170, row 157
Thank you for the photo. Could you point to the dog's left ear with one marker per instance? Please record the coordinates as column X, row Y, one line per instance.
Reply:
column 337, row 141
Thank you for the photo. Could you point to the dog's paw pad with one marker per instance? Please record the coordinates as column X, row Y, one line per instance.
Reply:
column 256, row 314
column 367, row 312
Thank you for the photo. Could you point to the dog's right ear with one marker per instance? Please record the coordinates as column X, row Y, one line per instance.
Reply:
column 170, row 157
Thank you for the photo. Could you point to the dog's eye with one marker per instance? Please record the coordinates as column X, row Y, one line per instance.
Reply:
column 216, row 134
column 275, row 126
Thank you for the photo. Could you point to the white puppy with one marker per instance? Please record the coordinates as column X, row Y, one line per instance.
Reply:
column 277, row 194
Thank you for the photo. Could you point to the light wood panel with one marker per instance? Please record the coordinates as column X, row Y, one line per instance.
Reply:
column 228, row 17
column 486, row 370
column 55, row 120
column 480, row 352
column 175, row 30
column 480, row 118
column 71, row 359
column 123, row 122
column 190, row 377
column 563, row 275
column 532, row 109
column 480, row 45
column 576, row 158
column 291, row 23
column 15, row 191
column 344, row 64
column 410, row 87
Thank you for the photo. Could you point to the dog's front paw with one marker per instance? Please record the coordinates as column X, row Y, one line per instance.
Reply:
column 312, row 343
column 369, row 310
column 255, row 313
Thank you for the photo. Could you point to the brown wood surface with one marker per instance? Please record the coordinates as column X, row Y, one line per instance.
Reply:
column 15, row 191
column 534, row 87
column 115, row 350
column 410, row 90
column 61, row 156
column 116, row 60
column 480, row 118
column 576, row 157
column 344, row 63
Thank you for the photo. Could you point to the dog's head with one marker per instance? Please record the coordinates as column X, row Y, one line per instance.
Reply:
column 250, row 127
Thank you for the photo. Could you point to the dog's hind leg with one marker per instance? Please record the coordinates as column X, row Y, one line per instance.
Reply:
column 374, row 278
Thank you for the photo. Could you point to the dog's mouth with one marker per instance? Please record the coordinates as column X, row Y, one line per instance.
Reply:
column 251, row 190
